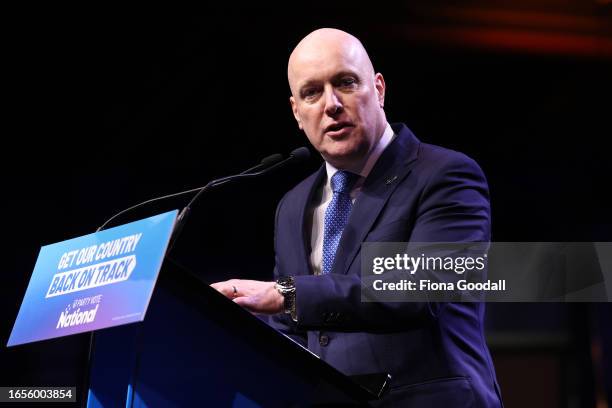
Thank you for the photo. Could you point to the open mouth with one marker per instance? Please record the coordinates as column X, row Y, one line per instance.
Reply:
column 337, row 128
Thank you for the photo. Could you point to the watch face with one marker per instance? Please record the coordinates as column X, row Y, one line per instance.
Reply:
column 285, row 281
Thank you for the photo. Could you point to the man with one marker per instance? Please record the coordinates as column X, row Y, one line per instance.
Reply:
column 379, row 183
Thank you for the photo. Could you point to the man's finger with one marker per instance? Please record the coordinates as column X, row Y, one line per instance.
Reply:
column 244, row 301
column 247, row 303
column 224, row 288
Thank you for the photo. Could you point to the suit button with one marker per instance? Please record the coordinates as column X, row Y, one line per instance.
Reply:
column 323, row 340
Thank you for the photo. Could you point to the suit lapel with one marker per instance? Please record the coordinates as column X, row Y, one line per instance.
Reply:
column 305, row 199
column 391, row 168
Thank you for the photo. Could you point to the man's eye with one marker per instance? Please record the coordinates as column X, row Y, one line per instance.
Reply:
column 347, row 82
column 309, row 93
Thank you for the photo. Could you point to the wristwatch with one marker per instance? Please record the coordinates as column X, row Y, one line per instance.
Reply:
column 286, row 287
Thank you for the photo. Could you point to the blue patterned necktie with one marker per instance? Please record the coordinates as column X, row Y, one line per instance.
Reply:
column 336, row 215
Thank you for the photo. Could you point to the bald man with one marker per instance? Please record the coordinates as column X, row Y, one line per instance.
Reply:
column 379, row 183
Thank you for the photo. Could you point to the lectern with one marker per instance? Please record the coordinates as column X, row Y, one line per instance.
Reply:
column 195, row 348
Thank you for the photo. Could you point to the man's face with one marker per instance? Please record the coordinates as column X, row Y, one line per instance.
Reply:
column 337, row 100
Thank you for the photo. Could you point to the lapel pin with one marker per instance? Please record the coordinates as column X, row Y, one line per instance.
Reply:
column 391, row 180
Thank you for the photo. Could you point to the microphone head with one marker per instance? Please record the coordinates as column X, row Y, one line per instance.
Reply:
column 300, row 154
column 272, row 159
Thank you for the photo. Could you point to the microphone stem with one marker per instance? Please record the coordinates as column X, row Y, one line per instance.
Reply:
column 193, row 190
column 182, row 217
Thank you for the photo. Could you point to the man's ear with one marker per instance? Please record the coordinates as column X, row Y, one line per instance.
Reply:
column 379, row 83
column 295, row 112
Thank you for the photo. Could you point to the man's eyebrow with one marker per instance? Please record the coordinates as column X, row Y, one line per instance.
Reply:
column 310, row 82
column 335, row 77
column 345, row 73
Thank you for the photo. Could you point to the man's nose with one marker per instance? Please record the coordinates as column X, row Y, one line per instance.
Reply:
column 333, row 104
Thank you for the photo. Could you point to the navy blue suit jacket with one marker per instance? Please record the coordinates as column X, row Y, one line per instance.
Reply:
column 435, row 352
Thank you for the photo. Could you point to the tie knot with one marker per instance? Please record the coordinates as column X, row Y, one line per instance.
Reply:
column 343, row 181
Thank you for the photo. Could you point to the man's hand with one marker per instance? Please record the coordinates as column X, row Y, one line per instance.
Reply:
column 255, row 296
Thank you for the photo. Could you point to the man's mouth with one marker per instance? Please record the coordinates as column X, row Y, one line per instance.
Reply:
column 338, row 129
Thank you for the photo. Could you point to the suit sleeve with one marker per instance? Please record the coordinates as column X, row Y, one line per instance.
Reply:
column 453, row 207
column 283, row 322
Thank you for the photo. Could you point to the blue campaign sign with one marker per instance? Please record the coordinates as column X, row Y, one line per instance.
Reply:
column 95, row 281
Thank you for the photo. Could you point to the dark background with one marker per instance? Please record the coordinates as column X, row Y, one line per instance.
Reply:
column 106, row 108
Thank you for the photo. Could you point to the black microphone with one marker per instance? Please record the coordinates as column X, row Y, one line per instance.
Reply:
column 297, row 155
column 300, row 154
column 265, row 162
column 268, row 161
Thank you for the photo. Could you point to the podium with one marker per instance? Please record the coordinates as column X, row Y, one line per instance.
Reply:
column 195, row 348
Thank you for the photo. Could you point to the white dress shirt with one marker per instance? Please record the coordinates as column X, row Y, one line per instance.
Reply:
column 325, row 194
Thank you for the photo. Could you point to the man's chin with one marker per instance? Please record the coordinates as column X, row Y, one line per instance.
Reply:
column 341, row 158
